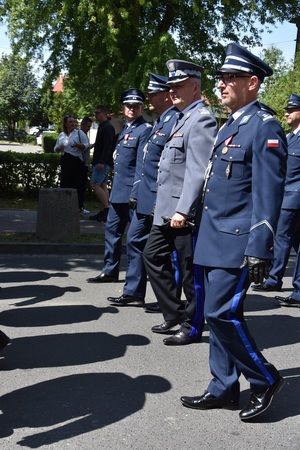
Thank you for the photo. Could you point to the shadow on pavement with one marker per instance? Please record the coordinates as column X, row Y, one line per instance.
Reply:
column 66, row 349
column 75, row 405
column 53, row 315
column 25, row 277
column 35, row 293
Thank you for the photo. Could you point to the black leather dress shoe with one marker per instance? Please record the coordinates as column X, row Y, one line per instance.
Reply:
column 165, row 327
column 103, row 278
column 127, row 300
column 258, row 403
column 180, row 338
column 152, row 308
column 208, row 401
column 288, row 301
column 265, row 287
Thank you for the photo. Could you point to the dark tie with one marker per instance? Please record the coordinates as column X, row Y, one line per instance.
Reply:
column 290, row 137
column 229, row 120
column 179, row 117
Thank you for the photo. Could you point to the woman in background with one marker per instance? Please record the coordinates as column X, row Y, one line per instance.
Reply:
column 72, row 143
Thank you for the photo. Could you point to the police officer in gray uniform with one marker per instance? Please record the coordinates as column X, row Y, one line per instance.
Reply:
column 180, row 179
column 241, row 207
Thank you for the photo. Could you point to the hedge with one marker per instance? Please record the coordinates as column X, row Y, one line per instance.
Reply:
column 49, row 141
column 28, row 172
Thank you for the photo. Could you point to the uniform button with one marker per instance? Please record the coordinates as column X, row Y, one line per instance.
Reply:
column 206, row 208
column 230, row 157
column 216, row 156
column 207, row 191
column 211, row 174
column 237, row 230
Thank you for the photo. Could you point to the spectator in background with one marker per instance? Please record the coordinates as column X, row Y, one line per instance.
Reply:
column 85, row 126
column 71, row 143
column 102, row 160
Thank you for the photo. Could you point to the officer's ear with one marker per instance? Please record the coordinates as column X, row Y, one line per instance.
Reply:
column 254, row 83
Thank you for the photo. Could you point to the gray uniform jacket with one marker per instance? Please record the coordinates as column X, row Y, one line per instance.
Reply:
column 183, row 163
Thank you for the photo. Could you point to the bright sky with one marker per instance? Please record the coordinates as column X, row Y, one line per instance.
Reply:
column 283, row 36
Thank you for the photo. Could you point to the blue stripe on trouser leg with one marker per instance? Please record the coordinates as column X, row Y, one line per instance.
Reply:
column 198, row 316
column 239, row 327
column 176, row 267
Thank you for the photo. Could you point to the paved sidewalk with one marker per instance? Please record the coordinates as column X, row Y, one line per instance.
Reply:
column 24, row 220
column 20, row 148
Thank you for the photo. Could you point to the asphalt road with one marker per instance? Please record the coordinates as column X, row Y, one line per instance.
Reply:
column 82, row 374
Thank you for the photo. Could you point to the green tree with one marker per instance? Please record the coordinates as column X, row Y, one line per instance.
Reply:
column 19, row 92
column 277, row 92
column 107, row 46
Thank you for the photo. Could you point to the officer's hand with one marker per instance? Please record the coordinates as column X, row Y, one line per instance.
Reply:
column 258, row 268
column 178, row 220
column 132, row 203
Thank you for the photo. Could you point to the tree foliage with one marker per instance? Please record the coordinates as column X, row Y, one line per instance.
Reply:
column 19, row 93
column 285, row 83
column 107, row 46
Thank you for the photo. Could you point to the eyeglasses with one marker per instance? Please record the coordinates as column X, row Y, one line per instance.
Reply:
column 227, row 78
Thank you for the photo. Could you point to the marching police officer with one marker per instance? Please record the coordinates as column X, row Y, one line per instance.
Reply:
column 130, row 142
column 289, row 219
column 180, row 180
column 143, row 194
column 241, row 206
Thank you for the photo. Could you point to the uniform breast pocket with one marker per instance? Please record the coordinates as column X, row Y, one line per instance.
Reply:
column 233, row 164
column 177, row 153
column 159, row 140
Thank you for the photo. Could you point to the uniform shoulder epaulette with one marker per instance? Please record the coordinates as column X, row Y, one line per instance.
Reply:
column 204, row 110
column 167, row 118
column 264, row 115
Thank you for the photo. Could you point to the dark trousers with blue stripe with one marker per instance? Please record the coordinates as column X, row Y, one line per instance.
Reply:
column 137, row 235
column 287, row 236
column 159, row 262
column 119, row 215
column 233, row 350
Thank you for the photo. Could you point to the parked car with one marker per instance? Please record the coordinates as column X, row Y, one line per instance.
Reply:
column 34, row 130
column 39, row 136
